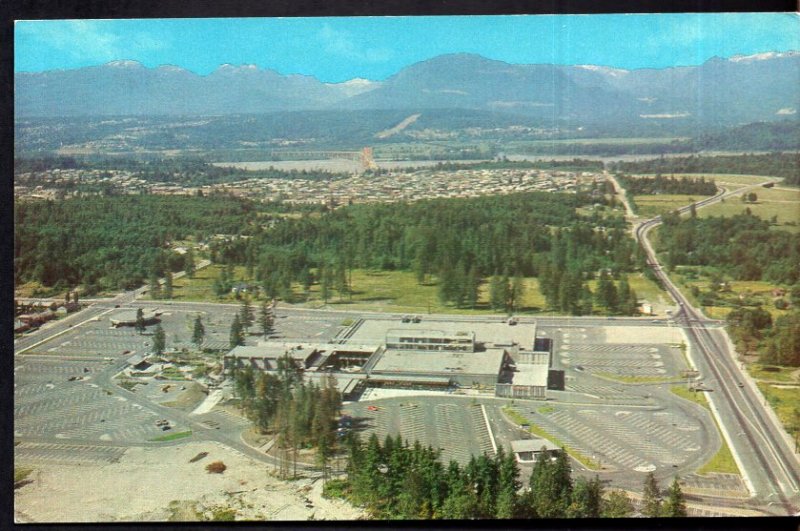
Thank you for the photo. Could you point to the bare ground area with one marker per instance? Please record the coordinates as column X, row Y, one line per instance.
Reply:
column 160, row 484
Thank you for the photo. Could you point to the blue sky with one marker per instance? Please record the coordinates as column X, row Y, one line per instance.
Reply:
column 337, row 49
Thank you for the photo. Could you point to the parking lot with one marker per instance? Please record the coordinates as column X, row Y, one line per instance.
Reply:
column 100, row 339
column 455, row 425
column 36, row 452
column 638, row 440
column 607, row 352
column 58, row 399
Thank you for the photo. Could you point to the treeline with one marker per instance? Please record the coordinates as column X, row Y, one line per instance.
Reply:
column 303, row 415
column 117, row 242
column 504, row 163
column 185, row 171
column 741, row 246
column 460, row 242
column 767, row 136
column 667, row 185
column 399, row 481
column 601, row 149
column 786, row 165
column 778, row 342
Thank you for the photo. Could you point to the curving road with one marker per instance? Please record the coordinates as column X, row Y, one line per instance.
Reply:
column 760, row 446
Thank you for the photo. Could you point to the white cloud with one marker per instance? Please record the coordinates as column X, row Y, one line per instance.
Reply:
column 91, row 40
column 337, row 42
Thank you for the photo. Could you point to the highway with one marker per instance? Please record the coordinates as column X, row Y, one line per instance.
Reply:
column 761, row 448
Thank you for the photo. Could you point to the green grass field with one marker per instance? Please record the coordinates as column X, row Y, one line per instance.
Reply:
column 728, row 180
column 782, row 374
column 754, row 291
column 391, row 291
column 723, row 461
column 782, row 204
column 201, row 286
column 649, row 206
column 784, row 401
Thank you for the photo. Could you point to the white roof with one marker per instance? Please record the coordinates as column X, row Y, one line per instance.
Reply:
column 532, row 445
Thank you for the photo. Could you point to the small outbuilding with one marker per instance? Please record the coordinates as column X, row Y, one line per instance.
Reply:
column 531, row 450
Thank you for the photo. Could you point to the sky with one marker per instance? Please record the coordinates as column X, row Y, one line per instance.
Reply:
column 337, row 49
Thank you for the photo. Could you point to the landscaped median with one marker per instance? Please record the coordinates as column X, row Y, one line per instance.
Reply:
column 722, row 462
column 629, row 379
column 518, row 418
column 172, row 436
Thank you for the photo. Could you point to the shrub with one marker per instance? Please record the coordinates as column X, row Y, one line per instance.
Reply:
column 198, row 457
column 217, row 467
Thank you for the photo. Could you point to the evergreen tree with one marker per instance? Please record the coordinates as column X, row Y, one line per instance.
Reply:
column 551, row 486
column 325, row 278
column 168, row 285
column 342, row 286
column 674, row 505
column 586, row 499
column 651, row 498
column 472, row 287
column 606, row 293
column 266, row 320
column 617, row 505
column 246, row 314
column 305, row 279
column 516, row 292
column 498, row 292
column 189, row 265
column 508, row 484
column 140, row 327
column 159, row 341
column 155, row 287
column 586, row 300
column 199, row 332
column 237, row 333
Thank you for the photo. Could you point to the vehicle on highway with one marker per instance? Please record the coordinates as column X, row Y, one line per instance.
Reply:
column 372, row 408
column 579, row 368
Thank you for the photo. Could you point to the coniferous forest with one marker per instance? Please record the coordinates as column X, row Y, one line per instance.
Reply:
column 121, row 241
column 396, row 480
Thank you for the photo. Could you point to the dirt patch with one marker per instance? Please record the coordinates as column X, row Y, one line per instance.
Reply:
column 160, row 484
column 187, row 398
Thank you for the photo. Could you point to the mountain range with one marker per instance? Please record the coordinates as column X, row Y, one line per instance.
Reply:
column 738, row 90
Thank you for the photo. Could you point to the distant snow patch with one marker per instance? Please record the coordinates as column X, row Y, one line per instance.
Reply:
column 666, row 115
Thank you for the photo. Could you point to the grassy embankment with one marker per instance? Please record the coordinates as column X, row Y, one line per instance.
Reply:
column 539, row 432
column 722, row 462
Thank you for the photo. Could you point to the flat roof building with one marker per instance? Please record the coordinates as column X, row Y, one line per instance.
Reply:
column 530, row 450
column 434, row 340
column 463, row 368
column 128, row 317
